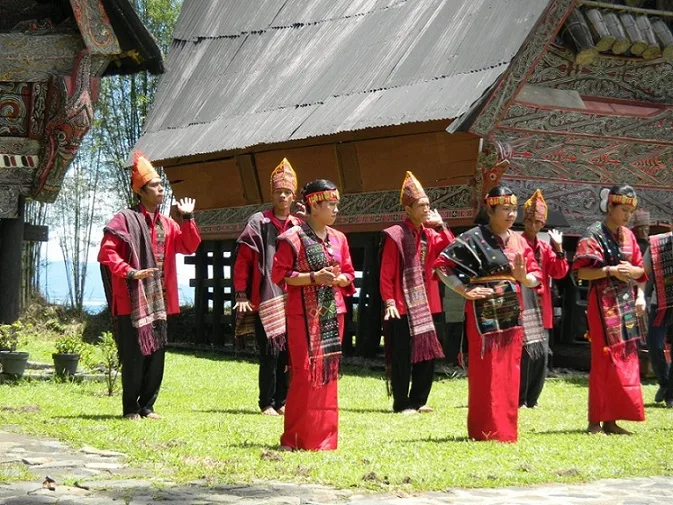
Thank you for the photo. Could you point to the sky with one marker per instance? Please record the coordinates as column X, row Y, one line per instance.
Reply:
column 54, row 281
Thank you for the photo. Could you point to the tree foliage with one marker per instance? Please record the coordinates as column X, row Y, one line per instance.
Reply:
column 125, row 101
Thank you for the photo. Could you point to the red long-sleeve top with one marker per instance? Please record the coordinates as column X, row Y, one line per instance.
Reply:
column 247, row 276
column 390, row 282
column 114, row 254
column 553, row 267
column 283, row 266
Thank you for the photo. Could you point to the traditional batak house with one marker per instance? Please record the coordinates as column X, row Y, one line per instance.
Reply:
column 360, row 92
column 587, row 103
column 53, row 54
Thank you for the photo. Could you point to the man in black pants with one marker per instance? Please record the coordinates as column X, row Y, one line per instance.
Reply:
column 260, row 304
column 554, row 265
column 411, row 297
column 137, row 257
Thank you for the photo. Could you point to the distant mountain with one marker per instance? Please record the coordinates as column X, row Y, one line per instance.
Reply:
column 54, row 286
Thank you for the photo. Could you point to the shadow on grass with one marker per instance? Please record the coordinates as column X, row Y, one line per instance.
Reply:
column 257, row 445
column 441, row 440
column 661, row 405
column 366, row 411
column 229, row 411
column 376, row 371
column 572, row 381
column 569, row 431
column 216, row 354
column 94, row 417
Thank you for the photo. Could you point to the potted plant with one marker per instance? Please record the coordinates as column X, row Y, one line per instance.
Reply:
column 69, row 349
column 13, row 336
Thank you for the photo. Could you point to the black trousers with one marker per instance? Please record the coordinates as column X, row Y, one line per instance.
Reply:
column 455, row 343
column 273, row 381
column 141, row 375
column 421, row 374
column 533, row 375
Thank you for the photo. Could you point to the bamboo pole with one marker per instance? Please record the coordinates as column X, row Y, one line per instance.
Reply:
column 622, row 42
column 665, row 37
column 604, row 39
column 578, row 32
column 653, row 50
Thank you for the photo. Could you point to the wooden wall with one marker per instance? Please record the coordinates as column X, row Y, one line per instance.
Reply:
column 374, row 160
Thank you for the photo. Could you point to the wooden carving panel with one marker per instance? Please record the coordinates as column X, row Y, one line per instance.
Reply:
column 15, row 99
column 358, row 211
column 657, row 127
column 68, row 117
column 95, row 27
column 37, row 59
column 593, row 160
column 623, row 78
column 580, row 202
column 527, row 57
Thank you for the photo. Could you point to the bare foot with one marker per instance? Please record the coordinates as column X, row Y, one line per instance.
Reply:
column 594, row 428
column 611, row 428
column 408, row 412
column 269, row 411
column 285, row 448
column 281, row 411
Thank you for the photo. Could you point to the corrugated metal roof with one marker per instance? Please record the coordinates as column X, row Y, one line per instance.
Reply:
column 247, row 73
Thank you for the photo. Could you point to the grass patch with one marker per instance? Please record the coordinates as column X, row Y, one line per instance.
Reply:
column 212, row 430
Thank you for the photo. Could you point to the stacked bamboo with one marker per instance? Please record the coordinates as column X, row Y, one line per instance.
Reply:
column 624, row 29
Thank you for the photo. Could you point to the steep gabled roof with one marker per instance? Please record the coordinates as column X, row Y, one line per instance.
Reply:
column 242, row 74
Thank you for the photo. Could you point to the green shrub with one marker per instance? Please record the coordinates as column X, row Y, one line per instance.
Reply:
column 15, row 335
column 70, row 343
column 108, row 350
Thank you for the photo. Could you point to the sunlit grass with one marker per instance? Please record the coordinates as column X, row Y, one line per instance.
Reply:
column 212, row 429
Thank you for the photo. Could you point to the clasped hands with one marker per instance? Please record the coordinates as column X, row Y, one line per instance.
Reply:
column 331, row 276
column 624, row 271
column 480, row 292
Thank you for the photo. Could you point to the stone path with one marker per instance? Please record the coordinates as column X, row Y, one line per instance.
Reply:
column 64, row 476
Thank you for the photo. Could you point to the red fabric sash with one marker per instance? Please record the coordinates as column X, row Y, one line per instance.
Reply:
column 421, row 326
column 148, row 310
column 661, row 252
column 260, row 235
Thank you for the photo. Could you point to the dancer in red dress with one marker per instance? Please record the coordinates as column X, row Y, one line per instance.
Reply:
column 609, row 257
column 501, row 313
column 313, row 260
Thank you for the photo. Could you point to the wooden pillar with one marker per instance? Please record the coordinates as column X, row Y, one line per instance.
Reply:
column 11, row 247
column 218, row 294
column 228, row 293
column 369, row 334
column 200, row 262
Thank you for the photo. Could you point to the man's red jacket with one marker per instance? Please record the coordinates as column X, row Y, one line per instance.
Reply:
column 114, row 254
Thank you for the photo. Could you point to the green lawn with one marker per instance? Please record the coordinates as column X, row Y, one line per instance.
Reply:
column 212, row 429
